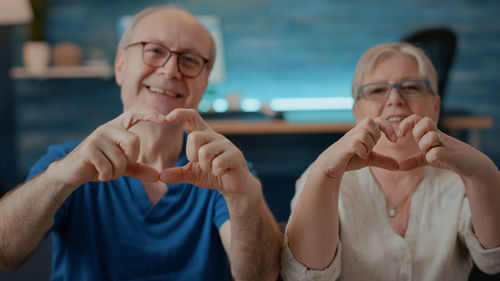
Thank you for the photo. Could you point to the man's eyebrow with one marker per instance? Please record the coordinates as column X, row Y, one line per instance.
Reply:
column 190, row 50
column 183, row 49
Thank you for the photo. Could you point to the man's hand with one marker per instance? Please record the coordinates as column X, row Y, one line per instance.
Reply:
column 111, row 151
column 251, row 237
column 214, row 162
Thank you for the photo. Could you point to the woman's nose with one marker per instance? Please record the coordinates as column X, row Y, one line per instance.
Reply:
column 395, row 98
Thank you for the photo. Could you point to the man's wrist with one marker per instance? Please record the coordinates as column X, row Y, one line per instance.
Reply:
column 246, row 204
column 52, row 177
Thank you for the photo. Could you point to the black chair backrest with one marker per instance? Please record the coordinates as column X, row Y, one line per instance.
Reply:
column 439, row 45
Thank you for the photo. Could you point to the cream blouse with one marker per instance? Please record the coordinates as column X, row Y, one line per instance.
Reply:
column 438, row 245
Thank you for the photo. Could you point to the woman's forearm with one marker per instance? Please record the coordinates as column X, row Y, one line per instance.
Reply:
column 313, row 226
column 483, row 193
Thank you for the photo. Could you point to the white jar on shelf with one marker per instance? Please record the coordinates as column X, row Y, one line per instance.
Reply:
column 36, row 56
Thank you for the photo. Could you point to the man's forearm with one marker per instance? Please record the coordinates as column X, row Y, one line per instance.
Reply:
column 27, row 214
column 256, row 240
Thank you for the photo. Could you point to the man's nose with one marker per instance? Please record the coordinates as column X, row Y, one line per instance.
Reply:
column 169, row 68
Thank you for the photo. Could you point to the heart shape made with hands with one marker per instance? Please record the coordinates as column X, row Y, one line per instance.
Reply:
column 386, row 162
column 355, row 149
column 426, row 135
column 133, row 116
column 189, row 173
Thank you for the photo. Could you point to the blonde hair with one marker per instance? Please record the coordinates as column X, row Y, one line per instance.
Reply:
column 370, row 58
column 129, row 30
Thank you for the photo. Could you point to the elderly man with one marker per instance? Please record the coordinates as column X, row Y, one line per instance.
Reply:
column 139, row 199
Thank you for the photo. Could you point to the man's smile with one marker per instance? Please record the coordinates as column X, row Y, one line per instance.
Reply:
column 163, row 92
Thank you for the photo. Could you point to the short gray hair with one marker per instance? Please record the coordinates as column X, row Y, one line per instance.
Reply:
column 129, row 30
column 370, row 58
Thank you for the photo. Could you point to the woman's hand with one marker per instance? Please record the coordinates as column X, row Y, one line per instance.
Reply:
column 438, row 149
column 478, row 173
column 354, row 150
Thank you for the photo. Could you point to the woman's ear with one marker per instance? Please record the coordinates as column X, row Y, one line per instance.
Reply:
column 437, row 107
column 119, row 66
column 355, row 111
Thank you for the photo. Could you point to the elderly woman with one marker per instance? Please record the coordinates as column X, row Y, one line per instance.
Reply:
column 395, row 198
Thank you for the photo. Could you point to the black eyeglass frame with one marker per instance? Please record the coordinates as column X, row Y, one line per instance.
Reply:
column 170, row 52
column 427, row 88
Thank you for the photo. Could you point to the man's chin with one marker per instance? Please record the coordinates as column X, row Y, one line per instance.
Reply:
column 163, row 109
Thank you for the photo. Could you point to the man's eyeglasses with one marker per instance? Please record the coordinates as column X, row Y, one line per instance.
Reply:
column 157, row 55
column 405, row 88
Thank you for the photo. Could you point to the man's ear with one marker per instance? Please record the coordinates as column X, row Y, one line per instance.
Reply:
column 207, row 75
column 119, row 66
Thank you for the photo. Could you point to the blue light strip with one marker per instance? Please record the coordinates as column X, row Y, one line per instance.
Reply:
column 250, row 105
column 333, row 103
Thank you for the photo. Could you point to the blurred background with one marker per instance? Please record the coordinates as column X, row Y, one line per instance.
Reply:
column 270, row 50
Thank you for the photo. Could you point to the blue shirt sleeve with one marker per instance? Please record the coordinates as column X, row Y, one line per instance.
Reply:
column 221, row 214
column 54, row 153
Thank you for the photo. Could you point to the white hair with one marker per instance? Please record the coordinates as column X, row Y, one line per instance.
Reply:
column 370, row 58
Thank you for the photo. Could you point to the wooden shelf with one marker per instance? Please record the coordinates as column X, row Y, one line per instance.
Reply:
column 459, row 123
column 103, row 71
column 275, row 127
